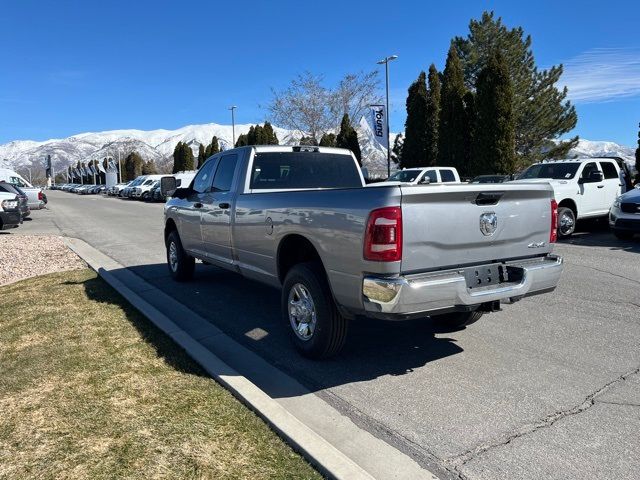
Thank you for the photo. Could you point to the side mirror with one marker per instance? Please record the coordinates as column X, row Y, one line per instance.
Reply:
column 168, row 186
column 425, row 180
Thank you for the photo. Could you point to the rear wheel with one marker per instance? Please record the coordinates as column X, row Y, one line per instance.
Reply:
column 316, row 327
column 145, row 196
column 622, row 235
column 458, row 319
column 181, row 265
column 566, row 222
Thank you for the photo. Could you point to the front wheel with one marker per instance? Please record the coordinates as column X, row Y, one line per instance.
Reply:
column 145, row 196
column 458, row 319
column 566, row 222
column 316, row 327
column 181, row 265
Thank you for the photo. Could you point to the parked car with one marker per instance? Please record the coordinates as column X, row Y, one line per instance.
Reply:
column 23, row 201
column 142, row 190
column 301, row 219
column 416, row 176
column 491, row 179
column 35, row 195
column 624, row 216
column 126, row 191
column 583, row 187
column 10, row 216
column 155, row 194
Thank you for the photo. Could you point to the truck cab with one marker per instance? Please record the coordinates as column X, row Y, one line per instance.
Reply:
column 583, row 187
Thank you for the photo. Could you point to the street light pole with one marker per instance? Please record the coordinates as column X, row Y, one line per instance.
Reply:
column 386, row 61
column 233, row 124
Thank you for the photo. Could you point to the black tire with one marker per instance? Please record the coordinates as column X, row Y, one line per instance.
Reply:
column 182, row 269
column 623, row 235
column 145, row 196
column 330, row 330
column 566, row 229
column 457, row 319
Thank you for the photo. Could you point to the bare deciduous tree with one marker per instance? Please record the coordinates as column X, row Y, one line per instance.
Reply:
column 312, row 109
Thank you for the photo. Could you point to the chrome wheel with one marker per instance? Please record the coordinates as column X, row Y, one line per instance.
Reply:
column 302, row 312
column 566, row 223
column 173, row 256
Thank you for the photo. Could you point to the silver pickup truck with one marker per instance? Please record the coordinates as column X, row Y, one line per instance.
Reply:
column 302, row 219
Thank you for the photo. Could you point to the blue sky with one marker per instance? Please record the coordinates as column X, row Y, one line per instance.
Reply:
column 74, row 66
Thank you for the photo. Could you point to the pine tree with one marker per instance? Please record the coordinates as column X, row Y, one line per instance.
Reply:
column 133, row 165
column 396, row 150
column 469, row 122
column 272, row 138
column 433, row 116
column 188, row 158
column 328, row 140
column 540, row 109
column 452, row 134
column 638, row 158
column 494, row 142
column 149, row 168
column 201, row 156
column 178, row 163
column 414, row 151
column 242, row 140
column 348, row 138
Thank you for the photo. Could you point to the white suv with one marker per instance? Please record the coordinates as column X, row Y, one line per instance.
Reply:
column 422, row 175
column 583, row 187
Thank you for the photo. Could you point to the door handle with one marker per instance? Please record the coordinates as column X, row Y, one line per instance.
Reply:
column 224, row 205
column 600, row 186
column 197, row 205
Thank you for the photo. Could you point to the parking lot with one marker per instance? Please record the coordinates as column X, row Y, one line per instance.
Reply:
column 547, row 388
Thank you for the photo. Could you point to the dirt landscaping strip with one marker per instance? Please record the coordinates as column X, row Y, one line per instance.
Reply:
column 90, row 389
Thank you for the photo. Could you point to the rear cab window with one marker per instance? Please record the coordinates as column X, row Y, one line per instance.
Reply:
column 224, row 173
column 303, row 170
column 447, row 175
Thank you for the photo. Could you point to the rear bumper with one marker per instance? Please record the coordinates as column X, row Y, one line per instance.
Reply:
column 422, row 294
column 10, row 219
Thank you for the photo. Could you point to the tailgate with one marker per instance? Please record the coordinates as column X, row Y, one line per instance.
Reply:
column 442, row 223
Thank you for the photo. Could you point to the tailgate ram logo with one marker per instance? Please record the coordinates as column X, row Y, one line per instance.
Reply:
column 488, row 223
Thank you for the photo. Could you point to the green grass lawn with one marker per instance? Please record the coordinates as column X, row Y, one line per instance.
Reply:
column 90, row 389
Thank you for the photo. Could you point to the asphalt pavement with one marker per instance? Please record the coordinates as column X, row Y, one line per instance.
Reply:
column 547, row 388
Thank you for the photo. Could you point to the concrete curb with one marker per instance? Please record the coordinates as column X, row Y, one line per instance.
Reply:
column 201, row 339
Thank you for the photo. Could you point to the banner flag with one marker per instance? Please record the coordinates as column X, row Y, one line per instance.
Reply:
column 48, row 169
column 101, row 168
column 378, row 121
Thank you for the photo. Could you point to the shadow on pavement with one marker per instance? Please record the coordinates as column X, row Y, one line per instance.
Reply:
column 596, row 233
column 249, row 313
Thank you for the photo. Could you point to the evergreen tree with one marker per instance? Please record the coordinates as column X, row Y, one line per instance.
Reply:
column 133, row 166
column 433, row 116
column 149, row 168
column 452, row 135
column 540, row 109
column 396, row 150
column 638, row 158
column 348, row 138
column 469, row 101
column 188, row 158
column 494, row 142
column 414, row 150
column 178, row 162
column 272, row 138
column 328, row 140
column 201, row 155
column 242, row 140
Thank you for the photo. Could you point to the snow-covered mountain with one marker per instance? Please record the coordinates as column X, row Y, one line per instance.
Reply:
column 158, row 145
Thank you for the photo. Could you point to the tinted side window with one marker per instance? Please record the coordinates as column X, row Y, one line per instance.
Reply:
column 431, row 175
column 609, row 170
column 202, row 181
column 16, row 181
column 447, row 176
column 588, row 168
column 224, row 173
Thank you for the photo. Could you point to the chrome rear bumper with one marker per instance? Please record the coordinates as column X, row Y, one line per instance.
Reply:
column 447, row 290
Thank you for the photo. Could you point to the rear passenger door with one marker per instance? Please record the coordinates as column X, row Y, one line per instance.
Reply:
column 612, row 183
column 217, row 210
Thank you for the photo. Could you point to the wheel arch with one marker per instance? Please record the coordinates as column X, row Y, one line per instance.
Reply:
column 169, row 226
column 293, row 249
column 570, row 204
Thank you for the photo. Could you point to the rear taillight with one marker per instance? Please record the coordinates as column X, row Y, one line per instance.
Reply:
column 553, row 236
column 40, row 195
column 383, row 237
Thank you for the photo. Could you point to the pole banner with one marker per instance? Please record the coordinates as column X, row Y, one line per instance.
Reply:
column 48, row 170
column 378, row 121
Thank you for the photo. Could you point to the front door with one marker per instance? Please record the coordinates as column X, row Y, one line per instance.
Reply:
column 190, row 209
column 217, row 210
column 591, row 194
